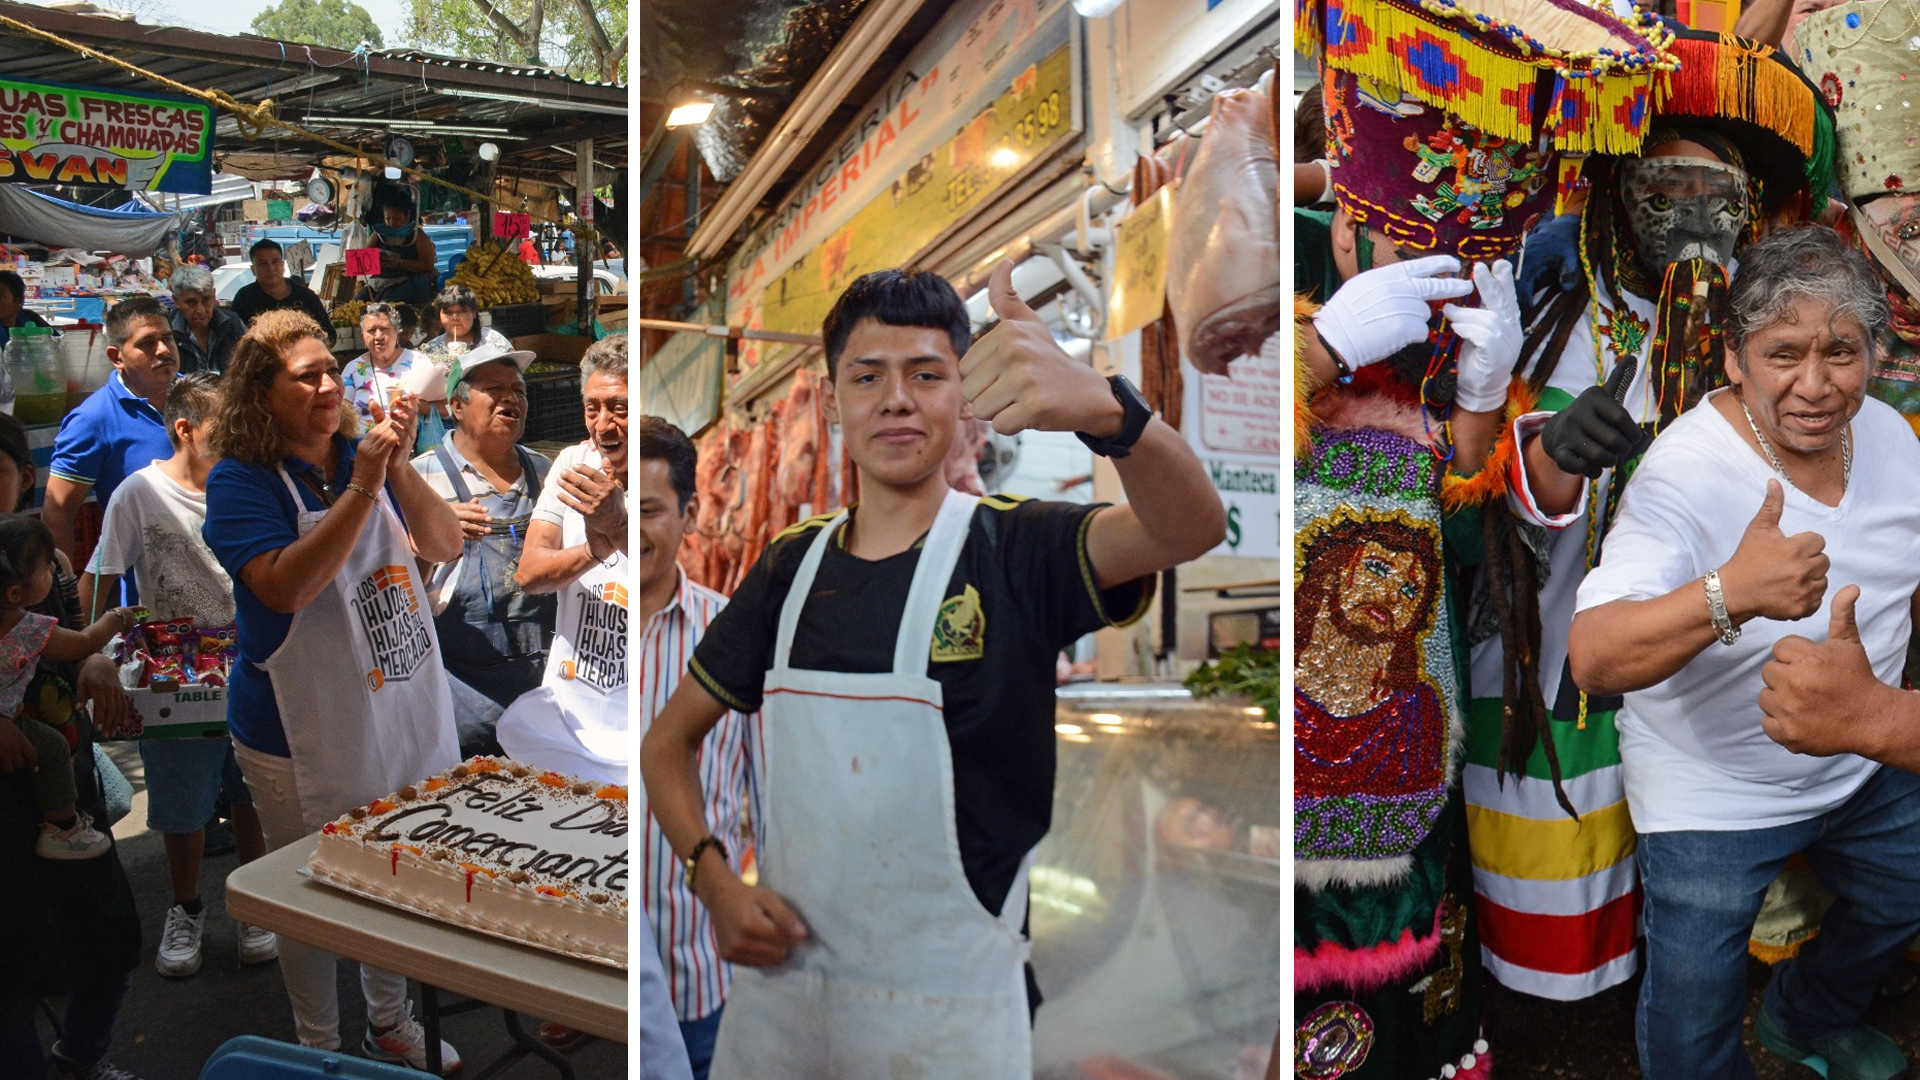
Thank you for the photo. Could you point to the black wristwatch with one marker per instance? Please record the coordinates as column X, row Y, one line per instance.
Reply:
column 1137, row 415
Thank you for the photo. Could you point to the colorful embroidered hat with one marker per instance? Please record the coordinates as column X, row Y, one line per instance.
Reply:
column 1865, row 58
column 1761, row 102
column 1445, row 123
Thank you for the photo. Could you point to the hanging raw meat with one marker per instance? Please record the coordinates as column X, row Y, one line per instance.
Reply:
column 822, row 494
column 799, row 447
column 709, row 462
column 753, row 511
column 780, row 512
column 963, row 458
column 1160, row 380
column 733, row 487
column 1223, row 269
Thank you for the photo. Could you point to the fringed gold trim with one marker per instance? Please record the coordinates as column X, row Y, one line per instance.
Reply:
column 1601, row 101
column 1462, row 492
column 1303, row 382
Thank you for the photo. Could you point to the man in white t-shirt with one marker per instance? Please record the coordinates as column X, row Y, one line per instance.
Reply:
column 1730, row 533
column 152, row 528
column 576, row 722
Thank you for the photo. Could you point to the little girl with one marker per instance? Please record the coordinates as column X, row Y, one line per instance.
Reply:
column 26, row 577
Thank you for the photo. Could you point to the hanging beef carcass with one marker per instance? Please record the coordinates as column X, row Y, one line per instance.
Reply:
column 733, row 489
column 1223, row 268
column 780, row 512
column 799, row 449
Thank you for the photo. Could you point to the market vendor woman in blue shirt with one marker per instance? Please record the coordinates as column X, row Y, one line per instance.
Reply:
column 341, row 694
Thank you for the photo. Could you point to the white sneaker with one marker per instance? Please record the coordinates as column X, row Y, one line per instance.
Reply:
column 77, row 841
column 257, row 946
column 180, row 943
column 66, row 1069
column 406, row 1044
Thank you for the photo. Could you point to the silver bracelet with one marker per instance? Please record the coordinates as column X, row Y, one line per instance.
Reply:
column 1717, row 609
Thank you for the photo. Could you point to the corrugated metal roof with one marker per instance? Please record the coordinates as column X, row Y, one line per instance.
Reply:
column 544, row 112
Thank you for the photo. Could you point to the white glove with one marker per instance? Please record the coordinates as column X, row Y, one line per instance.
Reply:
column 1490, row 337
column 1379, row 312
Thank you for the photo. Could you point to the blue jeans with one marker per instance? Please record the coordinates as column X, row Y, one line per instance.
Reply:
column 699, row 1035
column 1703, row 890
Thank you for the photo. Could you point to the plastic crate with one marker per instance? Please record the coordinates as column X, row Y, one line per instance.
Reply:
column 249, row 1057
column 554, row 407
column 518, row 320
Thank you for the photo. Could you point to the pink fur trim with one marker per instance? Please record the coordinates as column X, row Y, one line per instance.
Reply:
column 1364, row 969
column 1346, row 410
column 1482, row 1068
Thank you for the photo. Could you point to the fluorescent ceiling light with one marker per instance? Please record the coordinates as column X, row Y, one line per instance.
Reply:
column 429, row 127
column 545, row 103
column 1094, row 9
column 693, row 112
column 872, row 32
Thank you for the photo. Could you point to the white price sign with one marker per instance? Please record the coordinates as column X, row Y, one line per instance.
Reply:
column 1251, row 494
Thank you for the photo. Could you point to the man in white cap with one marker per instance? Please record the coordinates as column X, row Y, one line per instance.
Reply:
column 493, row 633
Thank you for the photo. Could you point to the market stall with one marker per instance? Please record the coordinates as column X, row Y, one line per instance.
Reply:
column 1095, row 153
column 287, row 141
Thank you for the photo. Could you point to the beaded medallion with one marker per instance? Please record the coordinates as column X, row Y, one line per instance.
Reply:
column 1332, row 1041
column 1375, row 693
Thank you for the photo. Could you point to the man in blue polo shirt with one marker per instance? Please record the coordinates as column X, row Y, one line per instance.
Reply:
column 117, row 431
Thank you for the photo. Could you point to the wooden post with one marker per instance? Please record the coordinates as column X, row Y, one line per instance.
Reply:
column 582, row 246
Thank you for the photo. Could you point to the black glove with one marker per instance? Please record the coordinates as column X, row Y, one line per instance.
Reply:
column 1593, row 434
column 1550, row 255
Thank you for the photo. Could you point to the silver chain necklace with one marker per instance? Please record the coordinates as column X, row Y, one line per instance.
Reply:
column 1766, row 448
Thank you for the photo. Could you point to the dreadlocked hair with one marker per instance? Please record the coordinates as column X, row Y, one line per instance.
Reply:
column 1511, row 569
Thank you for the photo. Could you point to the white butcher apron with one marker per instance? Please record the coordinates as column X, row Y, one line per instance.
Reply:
column 575, row 722
column 903, row 973
column 384, row 719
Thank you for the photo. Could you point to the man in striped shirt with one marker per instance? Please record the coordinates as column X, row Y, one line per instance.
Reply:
column 674, row 615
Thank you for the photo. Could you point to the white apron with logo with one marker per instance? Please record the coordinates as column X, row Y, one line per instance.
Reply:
column 576, row 721
column 384, row 719
column 904, row 973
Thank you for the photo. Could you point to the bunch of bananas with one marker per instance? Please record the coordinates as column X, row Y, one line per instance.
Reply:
column 496, row 275
column 348, row 314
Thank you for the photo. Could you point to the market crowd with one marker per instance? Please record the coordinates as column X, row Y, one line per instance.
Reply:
column 1606, row 497
column 250, row 488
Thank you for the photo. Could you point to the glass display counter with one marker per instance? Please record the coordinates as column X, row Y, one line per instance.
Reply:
column 1155, row 911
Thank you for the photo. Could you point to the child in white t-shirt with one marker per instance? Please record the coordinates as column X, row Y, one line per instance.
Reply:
column 152, row 528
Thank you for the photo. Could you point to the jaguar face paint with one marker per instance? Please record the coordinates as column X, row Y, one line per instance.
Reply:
column 1682, row 208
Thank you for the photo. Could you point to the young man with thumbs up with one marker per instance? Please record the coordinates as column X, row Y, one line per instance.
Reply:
column 901, row 655
column 1783, row 492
